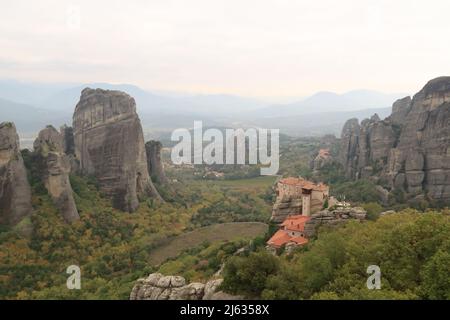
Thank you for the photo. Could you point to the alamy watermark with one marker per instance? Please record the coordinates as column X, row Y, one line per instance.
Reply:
column 374, row 280
column 250, row 146
column 74, row 280
column 73, row 17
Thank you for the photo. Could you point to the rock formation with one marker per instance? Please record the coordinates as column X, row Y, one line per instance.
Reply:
column 15, row 191
column 55, row 165
column 155, row 166
column 109, row 143
column 407, row 151
column 159, row 287
column 284, row 207
column 323, row 158
column 331, row 217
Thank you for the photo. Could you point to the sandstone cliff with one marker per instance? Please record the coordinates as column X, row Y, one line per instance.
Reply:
column 155, row 166
column 159, row 287
column 284, row 207
column 407, row 151
column 15, row 192
column 55, row 165
column 109, row 145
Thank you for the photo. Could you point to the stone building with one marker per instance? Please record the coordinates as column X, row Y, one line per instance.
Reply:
column 297, row 199
column 298, row 196
column 290, row 234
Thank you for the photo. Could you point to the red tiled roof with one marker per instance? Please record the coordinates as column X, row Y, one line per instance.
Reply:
column 295, row 223
column 292, row 181
column 291, row 223
column 324, row 153
column 299, row 240
column 281, row 237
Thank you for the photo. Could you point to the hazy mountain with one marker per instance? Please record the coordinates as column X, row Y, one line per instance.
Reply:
column 316, row 124
column 64, row 97
column 332, row 102
column 29, row 118
column 28, row 92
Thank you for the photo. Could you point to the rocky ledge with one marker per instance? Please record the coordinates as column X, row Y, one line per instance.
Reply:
column 159, row 287
column 333, row 216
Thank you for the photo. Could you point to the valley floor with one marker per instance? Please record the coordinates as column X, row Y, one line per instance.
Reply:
column 214, row 233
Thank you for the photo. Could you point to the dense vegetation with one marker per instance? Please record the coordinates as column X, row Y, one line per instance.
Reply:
column 411, row 248
column 111, row 247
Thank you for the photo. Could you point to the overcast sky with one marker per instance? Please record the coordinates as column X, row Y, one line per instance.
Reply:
column 245, row 47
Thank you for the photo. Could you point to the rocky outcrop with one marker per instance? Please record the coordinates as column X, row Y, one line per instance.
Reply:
column 364, row 148
column 349, row 146
column 284, row 207
column 155, row 166
column 55, row 169
column 15, row 191
column 159, row 287
column 333, row 216
column 109, row 143
column 409, row 150
column 400, row 110
column 322, row 159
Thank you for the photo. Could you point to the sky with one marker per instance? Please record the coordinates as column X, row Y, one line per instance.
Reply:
column 260, row 48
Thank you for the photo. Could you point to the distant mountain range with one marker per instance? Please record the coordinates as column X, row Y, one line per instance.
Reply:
column 33, row 105
column 332, row 102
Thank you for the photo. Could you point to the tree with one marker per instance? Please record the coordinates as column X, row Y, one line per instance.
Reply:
column 436, row 277
column 248, row 275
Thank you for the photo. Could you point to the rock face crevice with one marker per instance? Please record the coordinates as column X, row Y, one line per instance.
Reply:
column 407, row 151
column 109, row 144
column 49, row 150
column 155, row 166
column 69, row 148
column 15, row 191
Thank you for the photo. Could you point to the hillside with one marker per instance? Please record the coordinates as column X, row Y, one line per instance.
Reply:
column 410, row 248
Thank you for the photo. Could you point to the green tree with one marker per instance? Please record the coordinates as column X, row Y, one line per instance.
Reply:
column 247, row 275
column 436, row 277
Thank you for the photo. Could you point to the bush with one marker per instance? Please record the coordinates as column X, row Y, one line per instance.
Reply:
column 357, row 191
column 373, row 210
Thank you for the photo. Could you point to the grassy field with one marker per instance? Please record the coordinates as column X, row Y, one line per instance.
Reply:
column 217, row 232
column 259, row 182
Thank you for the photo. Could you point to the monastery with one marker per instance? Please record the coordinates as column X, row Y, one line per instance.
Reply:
column 297, row 199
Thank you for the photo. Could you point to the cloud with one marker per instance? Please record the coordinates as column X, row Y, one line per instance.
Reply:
column 253, row 47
